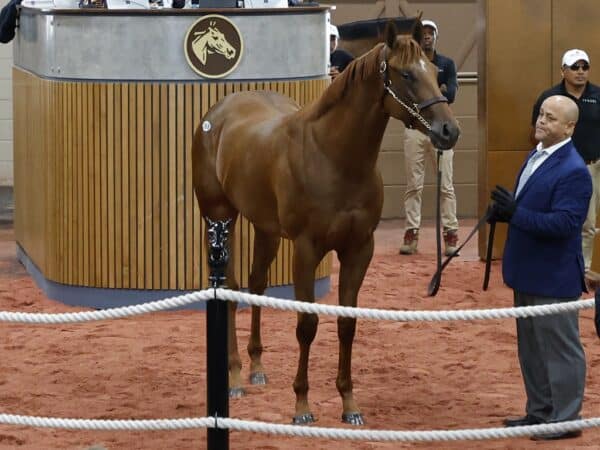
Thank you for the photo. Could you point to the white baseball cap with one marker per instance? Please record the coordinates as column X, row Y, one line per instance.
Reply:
column 430, row 23
column 333, row 31
column 572, row 56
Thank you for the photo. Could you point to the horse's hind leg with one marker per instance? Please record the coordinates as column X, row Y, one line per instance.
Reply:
column 265, row 249
column 215, row 206
column 234, row 361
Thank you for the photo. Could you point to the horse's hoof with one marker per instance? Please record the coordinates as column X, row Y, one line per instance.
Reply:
column 237, row 392
column 353, row 418
column 258, row 378
column 303, row 419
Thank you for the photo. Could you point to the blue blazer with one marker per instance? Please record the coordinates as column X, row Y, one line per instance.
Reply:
column 542, row 254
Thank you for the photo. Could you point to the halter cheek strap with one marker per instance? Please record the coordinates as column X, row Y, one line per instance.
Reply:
column 416, row 107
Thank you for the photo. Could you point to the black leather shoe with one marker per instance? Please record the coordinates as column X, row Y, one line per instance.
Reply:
column 522, row 421
column 556, row 436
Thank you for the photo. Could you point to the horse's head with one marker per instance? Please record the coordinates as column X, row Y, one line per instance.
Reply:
column 216, row 43
column 212, row 41
column 412, row 92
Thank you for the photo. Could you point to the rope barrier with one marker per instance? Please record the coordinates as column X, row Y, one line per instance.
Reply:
column 298, row 306
column 404, row 316
column 297, row 430
column 111, row 313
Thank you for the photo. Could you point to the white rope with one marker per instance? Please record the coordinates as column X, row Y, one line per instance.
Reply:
column 112, row 313
column 296, row 430
column 406, row 436
column 404, row 316
column 298, row 306
column 92, row 424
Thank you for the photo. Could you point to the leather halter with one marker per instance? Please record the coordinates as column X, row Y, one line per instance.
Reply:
column 416, row 108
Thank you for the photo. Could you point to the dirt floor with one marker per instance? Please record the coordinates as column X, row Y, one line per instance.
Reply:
column 407, row 376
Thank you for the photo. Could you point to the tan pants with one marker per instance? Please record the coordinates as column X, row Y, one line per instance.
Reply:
column 417, row 147
column 589, row 226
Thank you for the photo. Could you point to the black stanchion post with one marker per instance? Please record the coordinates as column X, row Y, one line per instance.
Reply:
column 217, row 377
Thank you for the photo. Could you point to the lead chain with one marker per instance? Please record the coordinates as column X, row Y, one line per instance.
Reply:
column 411, row 111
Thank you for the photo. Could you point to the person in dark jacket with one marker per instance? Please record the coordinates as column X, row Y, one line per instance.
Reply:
column 8, row 21
column 543, row 264
column 418, row 147
column 575, row 69
column 338, row 58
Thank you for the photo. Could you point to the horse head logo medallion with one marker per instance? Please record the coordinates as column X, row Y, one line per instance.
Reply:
column 213, row 46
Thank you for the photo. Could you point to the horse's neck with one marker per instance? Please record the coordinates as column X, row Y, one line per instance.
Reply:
column 350, row 130
column 203, row 41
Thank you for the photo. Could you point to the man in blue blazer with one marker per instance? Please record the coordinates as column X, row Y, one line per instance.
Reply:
column 543, row 264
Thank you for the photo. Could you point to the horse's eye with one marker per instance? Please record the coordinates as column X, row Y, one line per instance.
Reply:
column 406, row 75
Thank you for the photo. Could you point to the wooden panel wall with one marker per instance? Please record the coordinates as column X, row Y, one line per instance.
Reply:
column 103, row 187
column 515, row 53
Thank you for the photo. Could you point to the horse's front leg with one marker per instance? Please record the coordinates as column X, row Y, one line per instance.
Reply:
column 354, row 262
column 306, row 259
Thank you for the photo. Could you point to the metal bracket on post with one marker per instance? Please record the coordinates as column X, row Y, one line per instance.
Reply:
column 217, row 370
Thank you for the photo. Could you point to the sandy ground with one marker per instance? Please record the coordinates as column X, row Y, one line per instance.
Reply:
column 407, row 376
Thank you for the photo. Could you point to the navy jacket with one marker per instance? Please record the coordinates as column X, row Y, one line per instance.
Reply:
column 340, row 58
column 8, row 21
column 542, row 254
column 446, row 75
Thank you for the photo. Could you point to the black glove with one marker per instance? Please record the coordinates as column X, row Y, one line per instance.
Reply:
column 495, row 216
column 597, row 316
column 505, row 203
column 492, row 214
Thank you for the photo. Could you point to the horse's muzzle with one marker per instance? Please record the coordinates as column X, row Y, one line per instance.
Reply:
column 444, row 134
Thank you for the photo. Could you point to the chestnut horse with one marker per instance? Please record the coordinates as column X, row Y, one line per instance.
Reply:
column 310, row 175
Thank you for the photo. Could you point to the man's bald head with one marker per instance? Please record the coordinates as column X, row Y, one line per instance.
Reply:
column 565, row 104
column 556, row 121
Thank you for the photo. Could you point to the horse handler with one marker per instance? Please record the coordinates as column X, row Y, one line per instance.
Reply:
column 418, row 147
column 543, row 264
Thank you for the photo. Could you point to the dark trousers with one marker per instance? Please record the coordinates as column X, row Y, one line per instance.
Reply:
column 552, row 361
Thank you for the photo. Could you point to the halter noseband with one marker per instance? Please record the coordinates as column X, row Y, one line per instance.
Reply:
column 416, row 108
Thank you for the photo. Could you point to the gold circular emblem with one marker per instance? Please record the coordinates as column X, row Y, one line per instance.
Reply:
column 213, row 46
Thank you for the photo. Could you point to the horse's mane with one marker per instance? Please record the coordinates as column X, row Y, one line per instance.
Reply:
column 363, row 68
column 410, row 51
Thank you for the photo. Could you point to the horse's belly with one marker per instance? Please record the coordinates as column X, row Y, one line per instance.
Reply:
column 246, row 180
column 350, row 228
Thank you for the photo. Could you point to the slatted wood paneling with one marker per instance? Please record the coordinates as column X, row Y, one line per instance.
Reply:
column 103, row 185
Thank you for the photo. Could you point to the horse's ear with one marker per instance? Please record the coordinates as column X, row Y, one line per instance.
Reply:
column 417, row 29
column 390, row 34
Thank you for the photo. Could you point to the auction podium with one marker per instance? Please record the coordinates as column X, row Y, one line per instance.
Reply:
column 105, row 106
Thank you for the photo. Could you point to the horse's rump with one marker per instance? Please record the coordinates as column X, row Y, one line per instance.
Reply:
column 244, row 139
column 246, row 119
